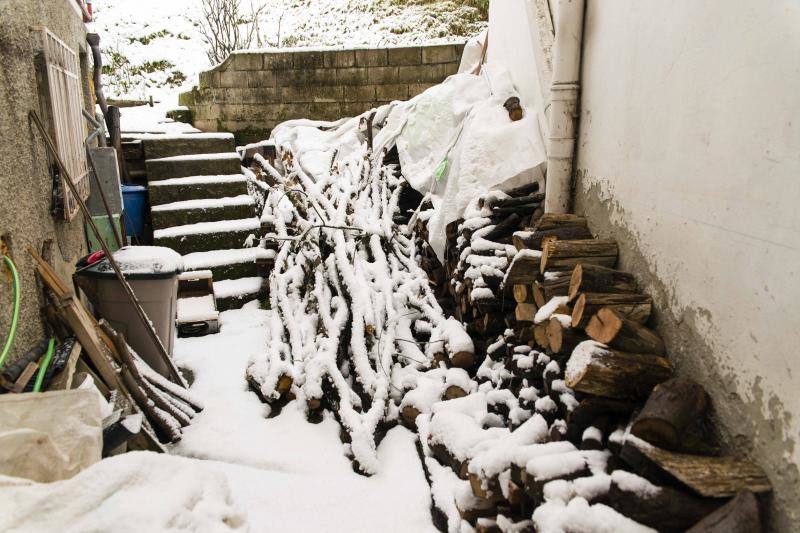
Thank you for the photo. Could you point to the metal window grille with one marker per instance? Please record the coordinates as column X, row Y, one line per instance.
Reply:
column 64, row 85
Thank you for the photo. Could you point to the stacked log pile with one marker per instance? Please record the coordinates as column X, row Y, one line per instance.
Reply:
column 575, row 408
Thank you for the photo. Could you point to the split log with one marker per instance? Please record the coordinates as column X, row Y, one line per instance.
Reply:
column 525, row 313
column 663, row 508
column 566, row 255
column 612, row 373
column 671, row 408
column 523, row 293
column 740, row 515
column 554, row 284
column 596, row 278
column 635, row 307
column 612, row 329
column 712, row 477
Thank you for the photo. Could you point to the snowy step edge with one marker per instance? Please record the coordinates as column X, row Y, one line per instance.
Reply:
column 197, row 157
column 205, row 228
column 219, row 258
column 179, row 136
column 209, row 203
column 200, row 180
column 232, row 288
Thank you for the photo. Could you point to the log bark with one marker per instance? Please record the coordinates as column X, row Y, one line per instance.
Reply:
column 504, row 228
column 711, row 477
column 534, row 239
column 671, row 408
column 740, row 515
column 612, row 329
column 612, row 373
column 523, row 270
column 669, row 510
column 595, row 278
column 566, row 255
column 635, row 307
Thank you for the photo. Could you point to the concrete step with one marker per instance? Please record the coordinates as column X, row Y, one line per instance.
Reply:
column 193, row 165
column 196, row 188
column 203, row 210
column 207, row 236
column 228, row 264
column 161, row 146
column 234, row 293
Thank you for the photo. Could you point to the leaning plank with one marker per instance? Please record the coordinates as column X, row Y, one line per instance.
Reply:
column 611, row 328
column 671, row 408
column 597, row 369
column 63, row 380
column 565, row 255
column 712, row 477
column 740, row 515
column 635, row 307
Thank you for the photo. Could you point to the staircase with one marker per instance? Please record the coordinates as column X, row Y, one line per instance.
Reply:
column 201, row 209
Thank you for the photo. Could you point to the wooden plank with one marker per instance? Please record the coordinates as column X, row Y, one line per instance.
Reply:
column 63, row 381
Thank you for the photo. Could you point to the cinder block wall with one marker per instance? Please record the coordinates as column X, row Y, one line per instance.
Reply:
column 251, row 92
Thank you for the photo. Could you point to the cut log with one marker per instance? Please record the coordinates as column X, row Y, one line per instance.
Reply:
column 410, row 414
column 740, row 515
column 602, row 371
column 635, row 307
column 541, row 470
column 524, row 190
column 519, row 200
column 507, row 226
column 525, row 313
column 612, row 329
column 523, row 293
column 534, row 239
column 454, row 392
column 671, row 408
column 565, row 255
column 563, row 339
column 665, row 509
column 592, row 408
column 540, row 336
column 524, row 269
column 595, row 278
column 462, row 359
column 712, row 477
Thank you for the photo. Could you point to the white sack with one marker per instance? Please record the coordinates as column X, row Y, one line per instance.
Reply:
column 49, row 436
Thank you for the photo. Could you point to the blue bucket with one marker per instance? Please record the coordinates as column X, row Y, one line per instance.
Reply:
column 134, row 200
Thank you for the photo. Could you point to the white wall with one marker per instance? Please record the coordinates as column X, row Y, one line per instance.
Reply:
column 689, row 154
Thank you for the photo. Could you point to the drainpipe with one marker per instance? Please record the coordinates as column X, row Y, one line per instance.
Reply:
column 564, row 95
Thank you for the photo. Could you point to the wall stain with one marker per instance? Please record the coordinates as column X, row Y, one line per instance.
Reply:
column 754, row 426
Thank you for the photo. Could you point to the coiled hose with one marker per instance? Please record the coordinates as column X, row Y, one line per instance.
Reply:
column 15, row 314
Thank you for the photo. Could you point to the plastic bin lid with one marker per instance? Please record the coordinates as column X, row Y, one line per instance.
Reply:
column 139, row 262
column 133, row 188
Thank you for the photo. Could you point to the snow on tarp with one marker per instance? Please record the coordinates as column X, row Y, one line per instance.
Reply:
column 463, row 121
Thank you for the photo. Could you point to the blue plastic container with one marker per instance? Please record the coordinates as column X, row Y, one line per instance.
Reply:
column 134, row 200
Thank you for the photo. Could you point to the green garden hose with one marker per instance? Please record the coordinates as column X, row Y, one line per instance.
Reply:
column 15, row 316
column 51, row 348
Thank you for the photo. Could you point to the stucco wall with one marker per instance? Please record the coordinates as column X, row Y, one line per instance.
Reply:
column 25, row 182
column 689, row 155
column 255, row 91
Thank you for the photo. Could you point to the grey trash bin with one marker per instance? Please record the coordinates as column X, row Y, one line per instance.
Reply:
column 152, row 273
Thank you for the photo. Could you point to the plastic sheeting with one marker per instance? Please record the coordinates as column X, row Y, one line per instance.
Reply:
column 49, row 436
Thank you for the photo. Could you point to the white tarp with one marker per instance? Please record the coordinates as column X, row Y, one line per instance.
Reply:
column 49, row 436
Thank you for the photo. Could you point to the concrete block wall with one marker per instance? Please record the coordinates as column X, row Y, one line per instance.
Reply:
column 251, row 92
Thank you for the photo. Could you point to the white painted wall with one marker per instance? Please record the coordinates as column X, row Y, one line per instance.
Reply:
column 690, row 147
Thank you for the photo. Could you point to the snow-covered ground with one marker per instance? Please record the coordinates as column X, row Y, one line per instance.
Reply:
column 155, row 47
column 241, row 470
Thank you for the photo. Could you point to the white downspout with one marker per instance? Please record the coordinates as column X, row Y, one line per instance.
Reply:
column 564, row 95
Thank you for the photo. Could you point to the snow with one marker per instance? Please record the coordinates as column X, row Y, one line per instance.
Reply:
column 137, row 121
column 199, row 180
column 549, row 309
column 210, row 203
column 198, row 157
column 216, row 258
column 146, row 260
column 228, row 288
column 581, row 358
column 579, row 517
column 197, row 309
column 629, row 482
column 239, row 472
column 245, row 224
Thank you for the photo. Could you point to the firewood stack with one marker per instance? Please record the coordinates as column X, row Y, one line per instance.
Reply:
column 574, row 408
